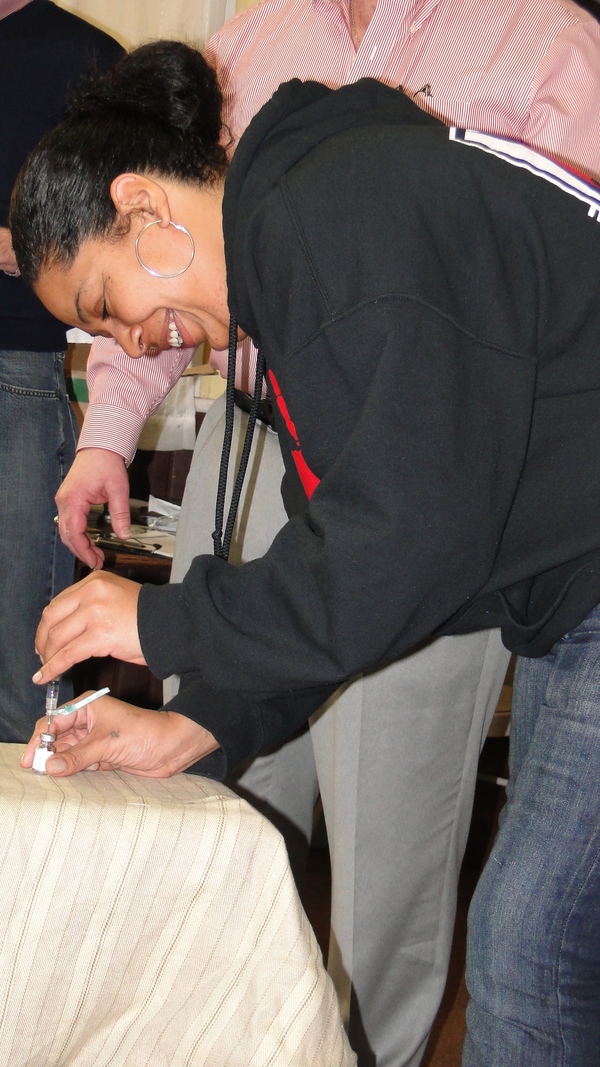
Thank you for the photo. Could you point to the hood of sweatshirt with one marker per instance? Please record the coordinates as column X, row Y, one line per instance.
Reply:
column 297, row 118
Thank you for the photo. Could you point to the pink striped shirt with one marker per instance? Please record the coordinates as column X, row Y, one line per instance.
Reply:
column 526, row 69
column 7, row 7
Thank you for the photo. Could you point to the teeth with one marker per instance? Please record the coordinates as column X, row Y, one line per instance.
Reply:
column 175, row 338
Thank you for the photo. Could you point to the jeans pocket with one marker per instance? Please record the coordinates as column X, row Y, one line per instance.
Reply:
column 39, row 394
column 32, row 375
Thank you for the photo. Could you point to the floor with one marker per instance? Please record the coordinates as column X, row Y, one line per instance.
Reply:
column 445, row 1045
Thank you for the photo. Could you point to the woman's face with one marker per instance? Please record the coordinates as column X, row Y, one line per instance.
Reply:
column 106, row 291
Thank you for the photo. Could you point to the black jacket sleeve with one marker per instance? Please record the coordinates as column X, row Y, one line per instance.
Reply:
column 402, row 530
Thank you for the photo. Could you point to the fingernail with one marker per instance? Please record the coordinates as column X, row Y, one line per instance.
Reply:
column 56, row 766
column 37, row 676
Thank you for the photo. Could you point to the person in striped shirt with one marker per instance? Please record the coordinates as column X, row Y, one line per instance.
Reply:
column 529, row 70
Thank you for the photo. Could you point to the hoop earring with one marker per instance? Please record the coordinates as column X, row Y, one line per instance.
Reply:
column 155, row 273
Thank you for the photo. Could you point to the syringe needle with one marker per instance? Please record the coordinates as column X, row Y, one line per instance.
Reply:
column 51, row 700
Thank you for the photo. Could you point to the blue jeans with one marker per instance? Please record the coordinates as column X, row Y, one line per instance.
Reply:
column 533, row 967
column 37, row 445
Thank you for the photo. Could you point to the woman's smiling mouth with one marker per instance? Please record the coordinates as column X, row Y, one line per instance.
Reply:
column 174, row 334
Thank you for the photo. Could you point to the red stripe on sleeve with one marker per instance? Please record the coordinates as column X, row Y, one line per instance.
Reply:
column 307, row 477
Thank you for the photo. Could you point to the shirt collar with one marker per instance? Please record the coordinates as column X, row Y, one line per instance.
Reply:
column 417, row 10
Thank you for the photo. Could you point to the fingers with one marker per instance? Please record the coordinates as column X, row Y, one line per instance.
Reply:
column 84, row 756
column 76, row 737
column 64, row 728
column 69, row 627
column 73, row 510
column 27, row 757
column 110, row 734
column 118, row 506
column 69, row 654
column 63, row 608
column 97, row 476
column 81, row 546
column 72, row 526
column 95, row 617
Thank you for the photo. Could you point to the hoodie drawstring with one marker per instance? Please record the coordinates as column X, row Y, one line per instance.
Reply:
column 222, row 541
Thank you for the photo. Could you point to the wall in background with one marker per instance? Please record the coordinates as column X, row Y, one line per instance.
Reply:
column 142, row 20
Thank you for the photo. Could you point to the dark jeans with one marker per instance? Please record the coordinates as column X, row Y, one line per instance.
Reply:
column 37, row 445
column 534, row 927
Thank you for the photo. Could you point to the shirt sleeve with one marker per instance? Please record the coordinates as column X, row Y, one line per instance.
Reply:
column 564, row 113
column 124, row 392
column 245, row 365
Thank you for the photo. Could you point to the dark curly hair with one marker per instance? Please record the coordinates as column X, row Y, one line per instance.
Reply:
column 157, row 111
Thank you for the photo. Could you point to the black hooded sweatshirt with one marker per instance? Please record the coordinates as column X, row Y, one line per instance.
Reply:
column 430, row 318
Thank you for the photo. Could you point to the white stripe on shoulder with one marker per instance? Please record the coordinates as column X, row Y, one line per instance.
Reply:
column 520, row 155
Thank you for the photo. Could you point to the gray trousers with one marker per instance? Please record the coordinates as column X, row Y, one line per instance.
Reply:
column 394, row 756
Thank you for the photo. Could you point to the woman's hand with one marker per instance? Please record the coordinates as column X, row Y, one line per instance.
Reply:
column 112, row 735
column 95, row 617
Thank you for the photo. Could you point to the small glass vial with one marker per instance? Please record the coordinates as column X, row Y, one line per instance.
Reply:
column 42, row 753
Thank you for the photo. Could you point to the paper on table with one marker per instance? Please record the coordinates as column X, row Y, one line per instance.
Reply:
column 162, row 515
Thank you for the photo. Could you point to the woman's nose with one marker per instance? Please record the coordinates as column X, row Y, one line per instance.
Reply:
column 130, row 339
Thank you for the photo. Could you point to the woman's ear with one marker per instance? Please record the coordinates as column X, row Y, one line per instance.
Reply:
column 134, row 194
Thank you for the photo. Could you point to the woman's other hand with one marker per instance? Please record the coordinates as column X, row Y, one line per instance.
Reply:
column 109, row 734
column 95, row 617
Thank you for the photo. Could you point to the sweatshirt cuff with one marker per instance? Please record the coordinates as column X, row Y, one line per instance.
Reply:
column 114, row 429
column 243, row 723
column 230, row 717
column 162, row 610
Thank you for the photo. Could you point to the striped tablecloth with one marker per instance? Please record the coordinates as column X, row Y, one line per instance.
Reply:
column 152, row 923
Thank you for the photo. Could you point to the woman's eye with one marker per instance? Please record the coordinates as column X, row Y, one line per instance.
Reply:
column 105, row 314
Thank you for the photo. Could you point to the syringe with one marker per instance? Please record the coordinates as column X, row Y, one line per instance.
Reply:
column 51, row 700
